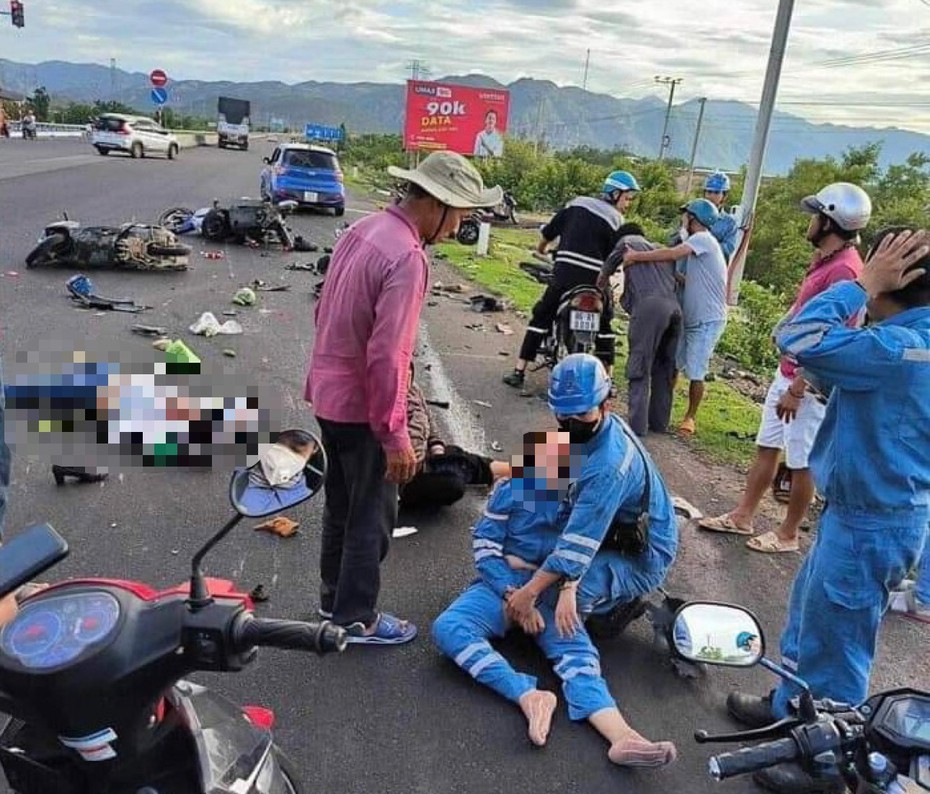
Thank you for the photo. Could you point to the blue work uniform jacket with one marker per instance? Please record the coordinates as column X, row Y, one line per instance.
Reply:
column 611, row 483
column 725, row 231
column 871, row 459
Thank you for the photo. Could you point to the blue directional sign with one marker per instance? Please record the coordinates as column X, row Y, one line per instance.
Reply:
column 159, row 96
column 317, row 132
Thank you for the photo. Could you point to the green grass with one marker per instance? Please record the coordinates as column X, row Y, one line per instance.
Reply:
column 727, row 421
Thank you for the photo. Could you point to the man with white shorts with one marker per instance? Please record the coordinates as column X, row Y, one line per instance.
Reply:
column 794, row 409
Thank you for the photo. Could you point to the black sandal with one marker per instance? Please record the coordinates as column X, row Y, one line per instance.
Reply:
column 61, row 473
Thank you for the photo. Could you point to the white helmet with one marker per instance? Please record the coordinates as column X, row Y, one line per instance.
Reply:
column 847, row 205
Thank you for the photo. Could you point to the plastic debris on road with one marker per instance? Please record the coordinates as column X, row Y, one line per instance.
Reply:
column 404, row 532
column 281, row 526
column 208, row 325
column 245, row 297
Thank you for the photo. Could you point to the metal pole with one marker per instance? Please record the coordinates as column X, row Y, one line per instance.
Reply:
column 671, row 82
column 761, row 139
column 587, row 63
column 697, row 137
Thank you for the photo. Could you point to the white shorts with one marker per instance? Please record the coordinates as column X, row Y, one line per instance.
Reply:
column 796, row 437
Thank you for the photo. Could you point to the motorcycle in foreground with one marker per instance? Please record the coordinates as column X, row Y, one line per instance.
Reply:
column 882, row 745
column 577, row 321
column 132, row 246
column 246, row 220
column 92, row 672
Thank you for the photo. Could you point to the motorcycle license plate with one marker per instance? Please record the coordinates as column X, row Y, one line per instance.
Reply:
column 311, row 197
column 584, row 321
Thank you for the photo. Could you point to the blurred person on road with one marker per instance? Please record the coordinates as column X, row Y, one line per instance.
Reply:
column 653, row 333
column 366, row 326
column 871, row 462
column 588, row 230
column 793, row 411
column 704, row 299
column 513, row 543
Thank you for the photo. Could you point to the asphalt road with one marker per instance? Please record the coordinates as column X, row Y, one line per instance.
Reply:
column 371, row 720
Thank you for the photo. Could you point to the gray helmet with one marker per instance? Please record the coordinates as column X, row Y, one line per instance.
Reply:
column 847, row 205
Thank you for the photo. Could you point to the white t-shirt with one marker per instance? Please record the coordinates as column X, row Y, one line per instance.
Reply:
column 705, row 293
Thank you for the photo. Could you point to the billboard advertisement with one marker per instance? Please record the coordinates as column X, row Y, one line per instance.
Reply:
column 458, row 118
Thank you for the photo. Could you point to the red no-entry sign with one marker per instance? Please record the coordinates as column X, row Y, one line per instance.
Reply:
column 158, row 78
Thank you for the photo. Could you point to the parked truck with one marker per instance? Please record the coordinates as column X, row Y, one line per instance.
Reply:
column 233, row 124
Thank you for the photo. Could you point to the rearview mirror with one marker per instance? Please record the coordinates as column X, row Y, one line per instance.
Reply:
column 253, row 496
column 718, row 634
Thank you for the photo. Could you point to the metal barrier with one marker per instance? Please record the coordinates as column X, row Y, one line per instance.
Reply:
column 47, row 130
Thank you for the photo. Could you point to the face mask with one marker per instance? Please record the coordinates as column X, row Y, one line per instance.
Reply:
column 281, row 465
column 683, row 233
column 579, row 432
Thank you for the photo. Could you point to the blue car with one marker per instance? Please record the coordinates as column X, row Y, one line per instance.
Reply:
column 307, row 174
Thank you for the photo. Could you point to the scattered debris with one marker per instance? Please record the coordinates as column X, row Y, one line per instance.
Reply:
column 503, row 328
column 309, row 267
column 150, row 330
column 12, row 273
column 497, row 446
column 161, row 344
column 208, row 325
column 175, row 552
column 687, row 509
column 231, row 313
column 475, row 326
column 213, row 254
column 82, row 293
column 258, row 594
column 179, row 353
column 482, row 403
column 439, row 255
column 439, row 403
column 281, row 526
column 245, row 297
column 432, row 304
column 403, row 532
column 229, row 353
column 456, row 289
column 263, row 286
column 503, row 353
column 486, row 303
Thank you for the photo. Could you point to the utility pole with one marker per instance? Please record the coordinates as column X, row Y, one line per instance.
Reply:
column 539, row 113
column 418, row 69
column 587, row 63
column 694, row 147
column 671, row 82
column 760, row 143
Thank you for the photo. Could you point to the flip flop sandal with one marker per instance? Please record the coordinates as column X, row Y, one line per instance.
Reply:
column 724, row 524
column 770, row 543
column 687, row 428
column 389, row 630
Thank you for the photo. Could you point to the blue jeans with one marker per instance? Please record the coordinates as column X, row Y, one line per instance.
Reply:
column 696, row 348
column 837, row 603
column 6, row 462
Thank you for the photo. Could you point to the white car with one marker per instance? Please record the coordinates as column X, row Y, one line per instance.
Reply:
column 136, row 136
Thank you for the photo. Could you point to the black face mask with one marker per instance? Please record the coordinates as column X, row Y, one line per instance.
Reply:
column 579, row 432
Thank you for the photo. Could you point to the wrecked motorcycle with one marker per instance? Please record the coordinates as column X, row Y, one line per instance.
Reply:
column 131, row 246
column 882, row 745
column 245, row 221
column 470, row 227
column 93, row 673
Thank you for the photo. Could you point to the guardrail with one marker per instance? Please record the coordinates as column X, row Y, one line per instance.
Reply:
column 47, row 130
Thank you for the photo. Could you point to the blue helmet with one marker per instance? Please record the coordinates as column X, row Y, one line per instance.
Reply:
column 744, row 639
column 705, row 212
column 578, row 384
column 717, row 183
column 623, row 181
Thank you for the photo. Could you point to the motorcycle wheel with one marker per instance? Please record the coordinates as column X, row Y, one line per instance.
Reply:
column 172, row 219
column 468, row 233
column 289, row 772
column 215, row 226
column 169, row 250
column 44, row 252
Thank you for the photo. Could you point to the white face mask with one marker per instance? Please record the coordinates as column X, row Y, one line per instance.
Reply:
column 281, row 464
column 683, row 233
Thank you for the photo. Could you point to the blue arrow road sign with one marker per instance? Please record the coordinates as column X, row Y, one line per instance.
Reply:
column 159, row 96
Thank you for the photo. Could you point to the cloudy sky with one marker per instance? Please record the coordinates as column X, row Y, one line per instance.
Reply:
column 860, row 61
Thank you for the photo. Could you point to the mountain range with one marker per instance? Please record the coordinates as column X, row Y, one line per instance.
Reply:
column 562, row 116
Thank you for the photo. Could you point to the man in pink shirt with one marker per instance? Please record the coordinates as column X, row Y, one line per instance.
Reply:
column 366, row 327
column 794, row 410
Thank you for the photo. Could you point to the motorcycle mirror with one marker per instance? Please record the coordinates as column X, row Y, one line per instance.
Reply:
column 253, row 496
column 718, row 634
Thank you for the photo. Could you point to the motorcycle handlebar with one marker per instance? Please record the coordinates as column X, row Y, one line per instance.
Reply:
column 752, row 759
column 295, row 635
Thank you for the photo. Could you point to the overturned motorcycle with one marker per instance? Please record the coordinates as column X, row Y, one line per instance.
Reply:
column 93, row 672
column 882, row 745
column 131, row 246
column 245, row 221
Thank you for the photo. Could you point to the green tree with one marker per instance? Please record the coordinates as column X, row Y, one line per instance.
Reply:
column 40, row 102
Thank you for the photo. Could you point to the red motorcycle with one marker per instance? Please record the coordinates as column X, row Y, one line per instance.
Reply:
column 92, row 672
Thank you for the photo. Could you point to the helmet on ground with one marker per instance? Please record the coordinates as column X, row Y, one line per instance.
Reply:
column 718, row 182
column 847, row 205
column 703, row 210
column 578, row 384
column 623, row 181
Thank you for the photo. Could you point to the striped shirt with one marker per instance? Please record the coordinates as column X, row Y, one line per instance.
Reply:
column 587, row 231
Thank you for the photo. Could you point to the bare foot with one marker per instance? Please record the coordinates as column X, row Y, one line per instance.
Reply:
column 538, row 707
column 639, row 752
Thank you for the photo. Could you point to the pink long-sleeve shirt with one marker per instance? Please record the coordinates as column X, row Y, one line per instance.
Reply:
column 366, row 326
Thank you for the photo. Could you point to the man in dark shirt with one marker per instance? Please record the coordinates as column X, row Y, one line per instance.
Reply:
column 587, row 229
column 654, row 330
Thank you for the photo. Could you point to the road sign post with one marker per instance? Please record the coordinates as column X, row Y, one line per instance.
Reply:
column 159, row 79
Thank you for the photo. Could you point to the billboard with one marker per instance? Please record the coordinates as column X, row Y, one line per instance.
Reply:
column 458, row 118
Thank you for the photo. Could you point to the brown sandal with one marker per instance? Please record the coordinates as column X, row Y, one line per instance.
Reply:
column 770, row 543
column 724, row 524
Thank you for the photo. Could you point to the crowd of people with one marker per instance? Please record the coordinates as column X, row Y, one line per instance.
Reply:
column 582, row 524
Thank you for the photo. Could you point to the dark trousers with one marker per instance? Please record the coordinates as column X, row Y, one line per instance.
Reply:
column 358, row 517
column 432, row 490
column 544, row 314
column 655, row 327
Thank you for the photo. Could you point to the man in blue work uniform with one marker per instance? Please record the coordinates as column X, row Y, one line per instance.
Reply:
column 871, row 462
column 725, row 229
